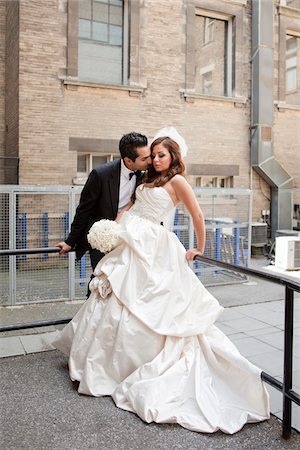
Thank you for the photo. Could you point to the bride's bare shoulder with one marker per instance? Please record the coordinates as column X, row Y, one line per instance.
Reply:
column 178, row 181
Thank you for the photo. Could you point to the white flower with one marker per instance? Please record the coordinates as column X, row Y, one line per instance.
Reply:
column 104, row 235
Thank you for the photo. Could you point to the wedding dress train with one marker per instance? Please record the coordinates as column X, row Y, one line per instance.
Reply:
column 146, row 335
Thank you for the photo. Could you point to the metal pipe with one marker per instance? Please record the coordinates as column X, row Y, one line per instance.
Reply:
column 29, row 251
column 253, row 272
column 38, row 324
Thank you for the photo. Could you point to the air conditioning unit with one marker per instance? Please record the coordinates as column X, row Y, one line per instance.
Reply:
column 287, row 233
column 259, row 234
column 287, row 253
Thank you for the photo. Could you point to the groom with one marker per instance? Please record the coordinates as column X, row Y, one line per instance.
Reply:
column 108, row 189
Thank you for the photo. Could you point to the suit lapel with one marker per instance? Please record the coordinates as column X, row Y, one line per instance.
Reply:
column 114, row 187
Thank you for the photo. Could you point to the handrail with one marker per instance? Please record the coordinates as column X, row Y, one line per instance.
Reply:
column 274, row 278
column 29, row 251
column 289, row 395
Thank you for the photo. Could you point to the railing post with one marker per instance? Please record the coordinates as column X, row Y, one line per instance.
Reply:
column 288, row 362
column 46, row 233
column 236, row 244
column 82, row 271
column 24, row 233
column 218, row 254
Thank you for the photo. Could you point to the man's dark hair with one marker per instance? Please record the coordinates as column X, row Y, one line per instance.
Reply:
column 129, row 143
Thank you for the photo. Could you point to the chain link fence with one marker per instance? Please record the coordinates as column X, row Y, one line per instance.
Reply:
column 40, row 216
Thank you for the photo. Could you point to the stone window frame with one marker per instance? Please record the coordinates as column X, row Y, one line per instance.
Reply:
column 134, row 83
column 289, row 24
column 235, row 11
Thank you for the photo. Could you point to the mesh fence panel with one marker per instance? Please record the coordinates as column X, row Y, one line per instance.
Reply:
column 4, row 244
column 83, row 270
column 227, row 213
column 41, row 221
column 41, row 217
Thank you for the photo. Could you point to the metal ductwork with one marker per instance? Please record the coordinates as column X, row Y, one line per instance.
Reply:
column 262, row 158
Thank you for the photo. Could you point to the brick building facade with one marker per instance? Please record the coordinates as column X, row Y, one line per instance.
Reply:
column 185, row 63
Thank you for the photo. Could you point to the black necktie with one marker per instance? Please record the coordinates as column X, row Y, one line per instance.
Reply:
column 131, row 175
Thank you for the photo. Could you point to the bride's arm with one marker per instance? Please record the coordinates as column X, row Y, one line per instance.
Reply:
column 185, row 194
column 126, row 208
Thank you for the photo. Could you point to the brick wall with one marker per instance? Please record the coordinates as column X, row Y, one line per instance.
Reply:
column 2, row 87
column 50, row 113
column 12, row 92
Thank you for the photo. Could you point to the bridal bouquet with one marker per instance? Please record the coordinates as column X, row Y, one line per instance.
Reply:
column 104, row 235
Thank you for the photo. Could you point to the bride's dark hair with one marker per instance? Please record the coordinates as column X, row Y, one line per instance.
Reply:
column 176, row 167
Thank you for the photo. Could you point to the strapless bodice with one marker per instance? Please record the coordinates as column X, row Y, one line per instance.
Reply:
column 152, row 203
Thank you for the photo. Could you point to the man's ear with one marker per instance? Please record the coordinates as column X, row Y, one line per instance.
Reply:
column 128, row 162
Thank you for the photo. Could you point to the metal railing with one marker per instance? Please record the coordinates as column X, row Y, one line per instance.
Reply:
column 41, row 216
column 285, row 387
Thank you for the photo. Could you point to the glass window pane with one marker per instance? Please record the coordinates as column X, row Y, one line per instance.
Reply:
column 85, row 9
column 291, row 80
column 116, row 15
column 291, row 69
column 102, row 63
column 84, row 29
column 207, row 86
column 291, row 43
column 98, row 161
column 100, row 32
column 82, row 163
column 99, row 63
column 212, row 64
column 100, row 12
column 115, row 35
column 208, row 30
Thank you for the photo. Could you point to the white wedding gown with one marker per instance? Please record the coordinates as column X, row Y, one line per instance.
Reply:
column 151, row 343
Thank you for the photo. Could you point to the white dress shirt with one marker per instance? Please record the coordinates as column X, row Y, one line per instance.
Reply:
column 126, row 186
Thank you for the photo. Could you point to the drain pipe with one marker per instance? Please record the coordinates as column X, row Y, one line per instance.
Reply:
column 262, row 158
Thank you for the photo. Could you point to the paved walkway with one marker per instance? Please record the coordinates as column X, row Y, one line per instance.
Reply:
column 43, row 411
column 253, row 319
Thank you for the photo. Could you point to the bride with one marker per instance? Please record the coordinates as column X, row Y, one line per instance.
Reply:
column 146, row 335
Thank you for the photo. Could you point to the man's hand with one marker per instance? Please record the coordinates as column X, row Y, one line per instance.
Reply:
column 64, row 248
column 191, row 253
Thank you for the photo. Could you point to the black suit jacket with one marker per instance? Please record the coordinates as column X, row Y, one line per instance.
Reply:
column 99, row 200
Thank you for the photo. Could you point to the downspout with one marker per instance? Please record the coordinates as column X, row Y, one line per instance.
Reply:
column 262, row 158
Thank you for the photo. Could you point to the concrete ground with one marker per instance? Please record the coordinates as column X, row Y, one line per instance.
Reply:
column 55, row 416
column 41, row 409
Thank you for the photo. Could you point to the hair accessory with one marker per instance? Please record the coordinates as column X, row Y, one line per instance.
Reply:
column 173, row 134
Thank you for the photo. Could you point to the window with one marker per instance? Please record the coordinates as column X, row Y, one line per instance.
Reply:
column 207, row 82
column 214, row 182
column 217, row 55
column 89, row 161
column 208, row 30
column 291, row 62
column 102, row 41
column 293, row 3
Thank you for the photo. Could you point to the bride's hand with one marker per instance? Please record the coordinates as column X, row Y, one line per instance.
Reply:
column 191, row 253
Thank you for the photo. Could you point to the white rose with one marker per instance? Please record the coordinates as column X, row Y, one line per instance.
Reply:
column 104, row 235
